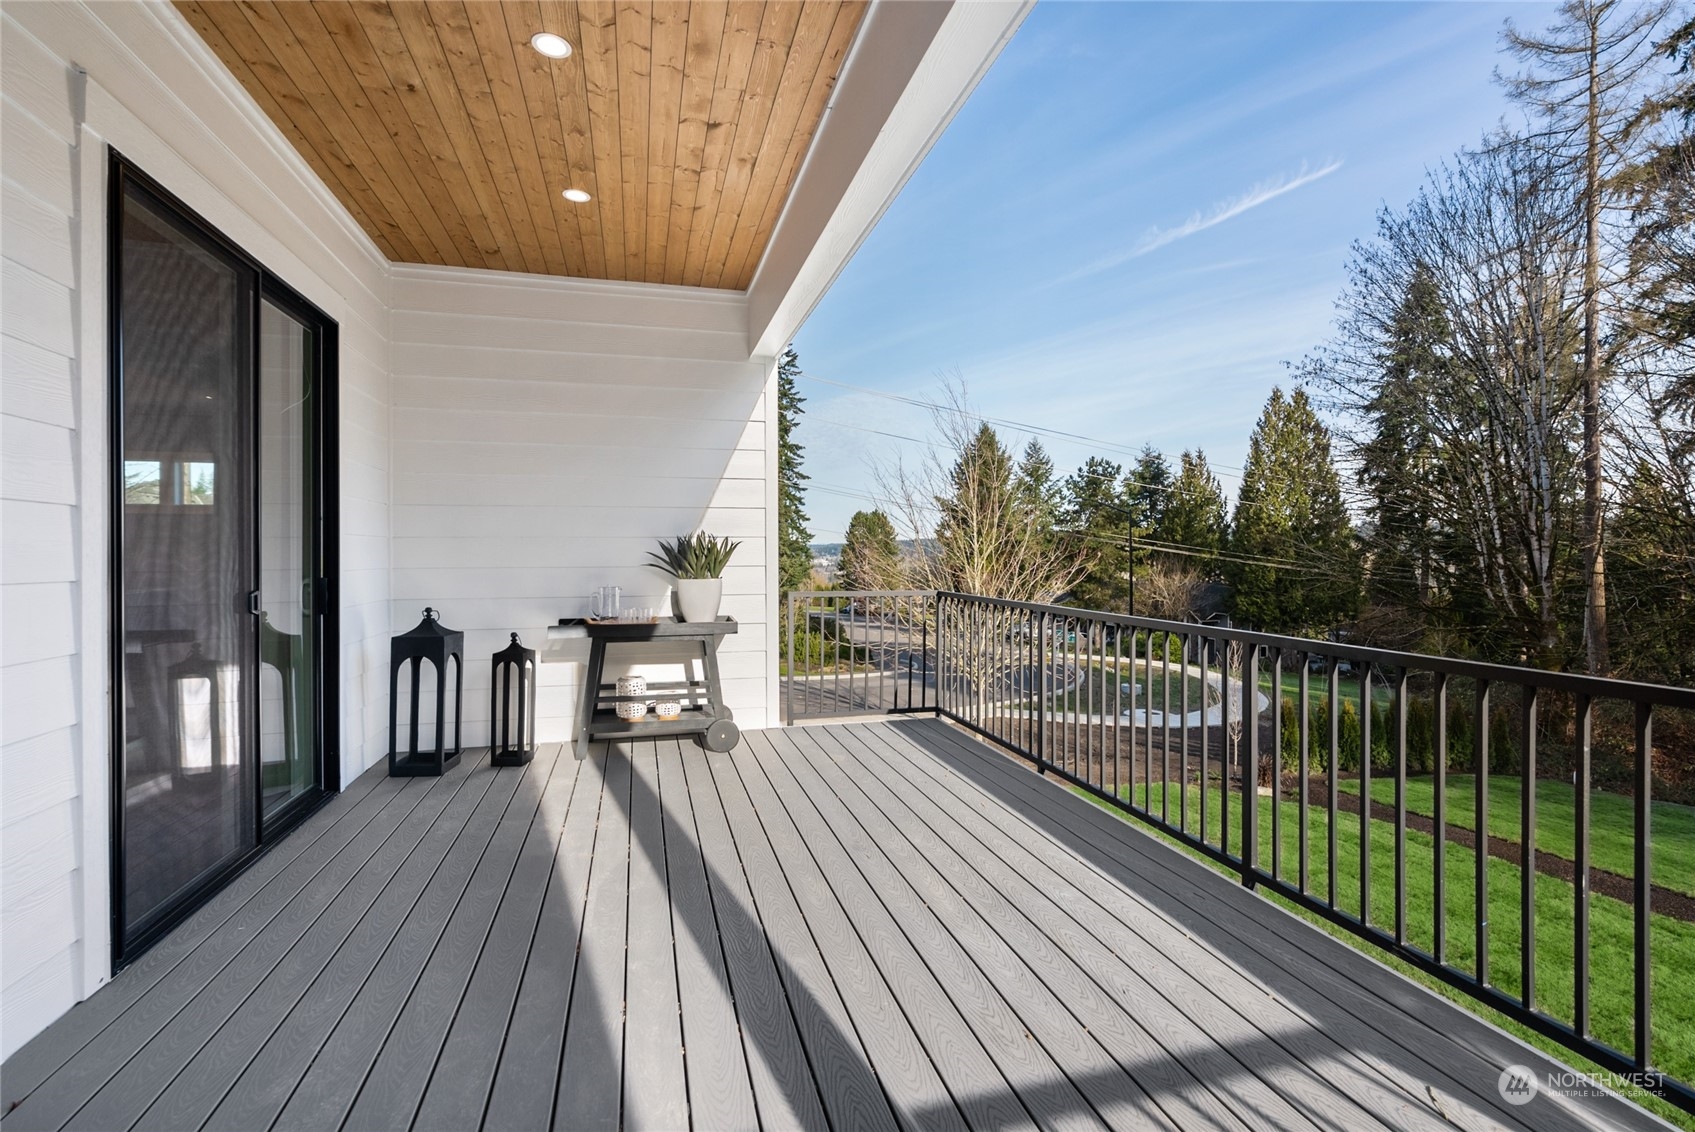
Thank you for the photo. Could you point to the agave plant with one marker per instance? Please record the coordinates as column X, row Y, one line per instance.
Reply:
column 699, row 555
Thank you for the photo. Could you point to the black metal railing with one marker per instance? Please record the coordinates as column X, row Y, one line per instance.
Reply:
column 857, row 652
column 1261, row 752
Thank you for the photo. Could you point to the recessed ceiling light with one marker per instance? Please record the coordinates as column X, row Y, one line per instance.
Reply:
column 576, row 196
column 553, row 46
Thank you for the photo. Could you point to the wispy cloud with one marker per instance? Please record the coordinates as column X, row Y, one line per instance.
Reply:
column 1198, row 221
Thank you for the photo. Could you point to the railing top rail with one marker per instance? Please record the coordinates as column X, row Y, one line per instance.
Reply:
column 1595, row 686
column 862, row 593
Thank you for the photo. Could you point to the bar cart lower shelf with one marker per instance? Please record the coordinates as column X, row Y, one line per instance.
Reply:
column 704, row 712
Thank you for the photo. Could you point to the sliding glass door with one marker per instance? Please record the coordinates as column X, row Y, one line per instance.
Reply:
column 220, row 570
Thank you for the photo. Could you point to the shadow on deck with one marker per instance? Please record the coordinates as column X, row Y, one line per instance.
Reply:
column 875, row 925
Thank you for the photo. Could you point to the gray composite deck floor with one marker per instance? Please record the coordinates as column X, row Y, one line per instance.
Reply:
column 863, row 926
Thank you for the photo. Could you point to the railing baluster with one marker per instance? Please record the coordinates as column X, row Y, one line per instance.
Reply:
column 1335, row 695
column 1303, row 731
column 1480, row 773
column 1165, row 726
column 1580, row 868
column 1228, row 756
column 1206, row 730
column 1365, row 793
column 1401, row 806
column 1276, row 763
column 1183, row 758
column 1644, row 1029
column 1439, row 881
column 1527, row 846
column 1250, row 764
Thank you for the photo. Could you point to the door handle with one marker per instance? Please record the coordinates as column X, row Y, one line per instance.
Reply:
column 253, row 602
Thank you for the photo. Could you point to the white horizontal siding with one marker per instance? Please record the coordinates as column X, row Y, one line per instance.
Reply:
column 546, row 434
column 156, row 93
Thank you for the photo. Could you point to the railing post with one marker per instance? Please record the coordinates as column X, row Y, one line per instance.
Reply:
column 789, row 684
column 1250, row 763
column 1042, row 671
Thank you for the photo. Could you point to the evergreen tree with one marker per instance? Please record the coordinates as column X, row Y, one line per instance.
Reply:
column 1094, row 517
column 1036, row 485
column 794, row 540
column 1400, row 460
column 1148, row 488
column 1194, row 515
column 870, row 552
column 1291, row 532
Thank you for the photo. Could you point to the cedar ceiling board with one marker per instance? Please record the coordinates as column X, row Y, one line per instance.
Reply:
column 285, row 97
column 572, row 103
column 449, row 140
column 700, row 69
column 493, row 40
column 633, row 22
column 597, row 25
column 670, row 46
column 735, row 57
column 745, row 260
column 783, row 135
column 375, row 108
column 497, row 114
column 462, row 95
column 771, row 53
column 341, row 105
column 561, row 124
column 438, row 113
column 535, row 73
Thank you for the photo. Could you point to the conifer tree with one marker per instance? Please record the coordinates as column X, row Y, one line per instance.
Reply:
column 870, row 553
column 794, row 540
column 1295, row 570
column 1194, row 517
column 1094, row 518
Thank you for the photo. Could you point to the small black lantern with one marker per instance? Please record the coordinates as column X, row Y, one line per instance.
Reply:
column 512, row 687
column 434, row 642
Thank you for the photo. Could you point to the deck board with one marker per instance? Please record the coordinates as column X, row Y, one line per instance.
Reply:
column 869, row 925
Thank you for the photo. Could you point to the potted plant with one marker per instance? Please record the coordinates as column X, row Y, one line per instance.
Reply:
column 697, row 561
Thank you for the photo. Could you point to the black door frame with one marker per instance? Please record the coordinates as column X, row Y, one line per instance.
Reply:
column 122, row 176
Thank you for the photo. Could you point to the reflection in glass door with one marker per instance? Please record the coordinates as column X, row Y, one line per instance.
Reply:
column 288, row 643
column 220, row 581
column 185, row 343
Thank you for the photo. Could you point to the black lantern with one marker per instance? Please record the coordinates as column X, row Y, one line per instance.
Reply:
column 512, row 687
column 434, row 642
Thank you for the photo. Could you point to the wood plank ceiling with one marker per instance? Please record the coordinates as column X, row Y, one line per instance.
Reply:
column 450, row 139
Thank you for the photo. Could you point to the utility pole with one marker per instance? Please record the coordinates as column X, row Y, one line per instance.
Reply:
column 1130, row 565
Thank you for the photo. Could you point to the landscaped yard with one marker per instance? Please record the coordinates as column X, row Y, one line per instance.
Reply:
column 1611, row 925
column 1101, row 691
column 1612, row 818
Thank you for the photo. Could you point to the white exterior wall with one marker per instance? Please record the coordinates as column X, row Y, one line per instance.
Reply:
column 155, row 92
column 547, row 433
column 507, row 442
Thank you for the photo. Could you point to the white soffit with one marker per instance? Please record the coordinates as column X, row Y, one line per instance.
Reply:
column 912, row 67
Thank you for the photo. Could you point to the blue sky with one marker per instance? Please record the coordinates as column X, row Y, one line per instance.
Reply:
column 1142, row 213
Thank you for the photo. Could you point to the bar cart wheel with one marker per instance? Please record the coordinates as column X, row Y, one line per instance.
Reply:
column 721, row 736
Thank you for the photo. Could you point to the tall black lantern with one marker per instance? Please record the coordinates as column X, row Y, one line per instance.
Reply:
column 205, row 723
column 434, row 642
column 512, row 689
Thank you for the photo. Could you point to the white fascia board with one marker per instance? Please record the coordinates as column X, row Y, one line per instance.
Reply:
column 912, row 66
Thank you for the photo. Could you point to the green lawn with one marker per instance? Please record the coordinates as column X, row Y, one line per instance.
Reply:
column 1347, row 689
column 1611, row 928
column 1104, row 680
column 1612, row 818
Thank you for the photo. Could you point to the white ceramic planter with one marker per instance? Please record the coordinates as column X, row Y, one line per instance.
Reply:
column 698, row 599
